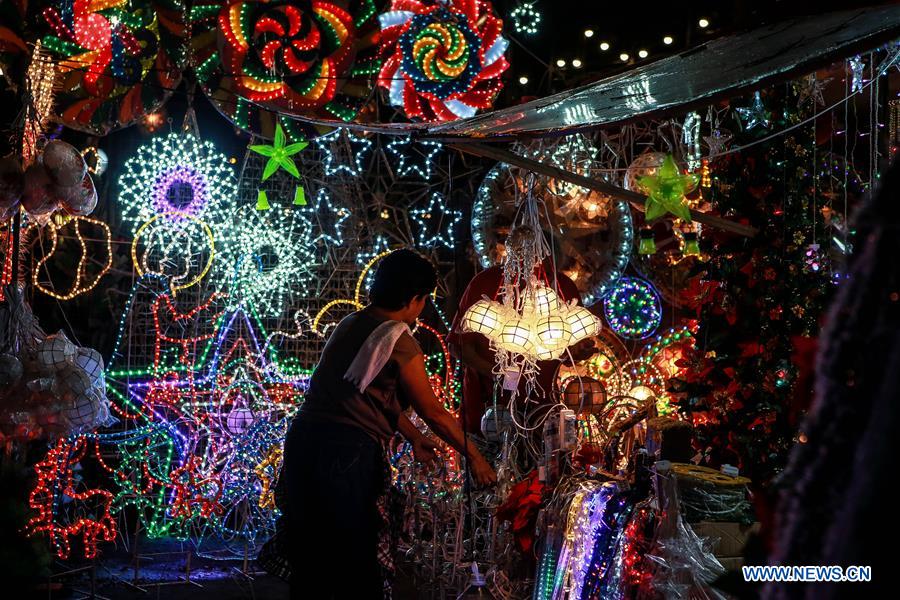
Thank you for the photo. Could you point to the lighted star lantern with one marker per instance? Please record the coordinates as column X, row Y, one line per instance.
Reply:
column 430, row 220
column 408, row 165
column 359, row 149
column 755, row 114
column 328, row 217
column 279, row 154
column 666, row 190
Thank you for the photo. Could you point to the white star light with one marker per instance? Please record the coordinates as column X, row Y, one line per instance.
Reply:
column 405, row 151
column 430, row 221
column 327, row 216
column 359, row 145
column 755, row 114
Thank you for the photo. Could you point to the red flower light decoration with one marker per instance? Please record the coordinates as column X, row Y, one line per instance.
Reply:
column 56, row 481
column 305, row 58
column 444, row 59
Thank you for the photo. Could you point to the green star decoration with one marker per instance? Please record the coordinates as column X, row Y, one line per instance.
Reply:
column 280, row 155
column 666, row 190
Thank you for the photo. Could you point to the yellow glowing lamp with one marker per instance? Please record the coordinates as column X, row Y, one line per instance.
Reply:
column 485, row 317
column 544, row 303
column 517, row 336
column 553, row 332
column 582, row 323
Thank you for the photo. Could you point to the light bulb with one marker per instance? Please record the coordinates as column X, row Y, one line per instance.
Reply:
column 576, row 63
column 560, row 63
column 643, row 53
column 588, row 33
column 624, row 57
column 703, row 23
column 668, row 40
column 604, row 46
column 523, row 80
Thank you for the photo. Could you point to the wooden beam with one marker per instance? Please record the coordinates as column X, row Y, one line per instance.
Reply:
column 636, row 199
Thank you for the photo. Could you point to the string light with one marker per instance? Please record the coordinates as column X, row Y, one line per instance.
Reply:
column 523, row 80
column 576, row 63
column 444, row 60
column 360, row 147
column 268, row 258
column 624, row 57
column 525, row 19
column 175, row 177
column 632, row 308
column 165, row 238
column 668, row 40
column 432, row 231
column 560, row 63
column 643, row 53
column 328, row 218
column 78, row 287
column 402, row 149
column 604, row 46
column 703, row 23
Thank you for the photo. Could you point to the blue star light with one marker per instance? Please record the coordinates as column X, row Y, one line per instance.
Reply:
column 327, row 216
column 430, row 222
column 755, row 114
column 403, row 148
column 359, row 149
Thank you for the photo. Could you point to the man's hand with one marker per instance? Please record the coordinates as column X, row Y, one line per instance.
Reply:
column 424, row 450
column 482, row 472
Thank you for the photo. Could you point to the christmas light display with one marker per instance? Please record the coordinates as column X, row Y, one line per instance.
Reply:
column 666, row 190
column 279, row 154
column 525, row 19
column 175, row 177
column 756, row 114
column 327, row 218
column 444, row 60
column 408, row 165
column 430, row 223
column 310, row 59
column 57, row 484
column 82, row 282
column 120, row 59
column 359, row 149
column 857, row 69
column 632, row 308
column 268, row 258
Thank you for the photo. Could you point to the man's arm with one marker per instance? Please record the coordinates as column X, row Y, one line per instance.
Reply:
column 414, row 381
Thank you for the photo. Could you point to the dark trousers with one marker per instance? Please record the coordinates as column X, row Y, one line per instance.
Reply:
column 333, row 478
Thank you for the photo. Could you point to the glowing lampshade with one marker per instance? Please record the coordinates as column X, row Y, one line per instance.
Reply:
column 517, row 336
column 584, row 395
column 486, row 317
column 553, row 332
column 641, row 392
column 545, row 302
column 543, row 353
column 582, row 323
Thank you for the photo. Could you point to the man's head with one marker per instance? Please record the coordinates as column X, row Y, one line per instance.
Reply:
column 403, row 281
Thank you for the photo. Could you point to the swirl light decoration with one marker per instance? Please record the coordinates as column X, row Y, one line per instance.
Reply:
column 305, row 58
column 444, row 60
column 120, row 59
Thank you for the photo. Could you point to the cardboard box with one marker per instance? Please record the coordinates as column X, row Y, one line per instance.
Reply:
column 727, row 539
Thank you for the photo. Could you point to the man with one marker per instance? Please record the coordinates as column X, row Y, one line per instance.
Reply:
column 334, row 465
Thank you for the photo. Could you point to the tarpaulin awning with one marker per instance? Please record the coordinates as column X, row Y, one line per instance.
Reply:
column 721, row 68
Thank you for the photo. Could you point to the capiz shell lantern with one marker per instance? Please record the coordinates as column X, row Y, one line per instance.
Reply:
column 485, row 317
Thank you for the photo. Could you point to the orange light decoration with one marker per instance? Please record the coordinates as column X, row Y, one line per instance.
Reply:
column 81, row 284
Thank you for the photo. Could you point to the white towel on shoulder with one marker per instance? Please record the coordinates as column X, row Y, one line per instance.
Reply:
column 374, row 353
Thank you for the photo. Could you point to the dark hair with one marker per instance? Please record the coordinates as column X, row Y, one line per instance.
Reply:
column 401, row 276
